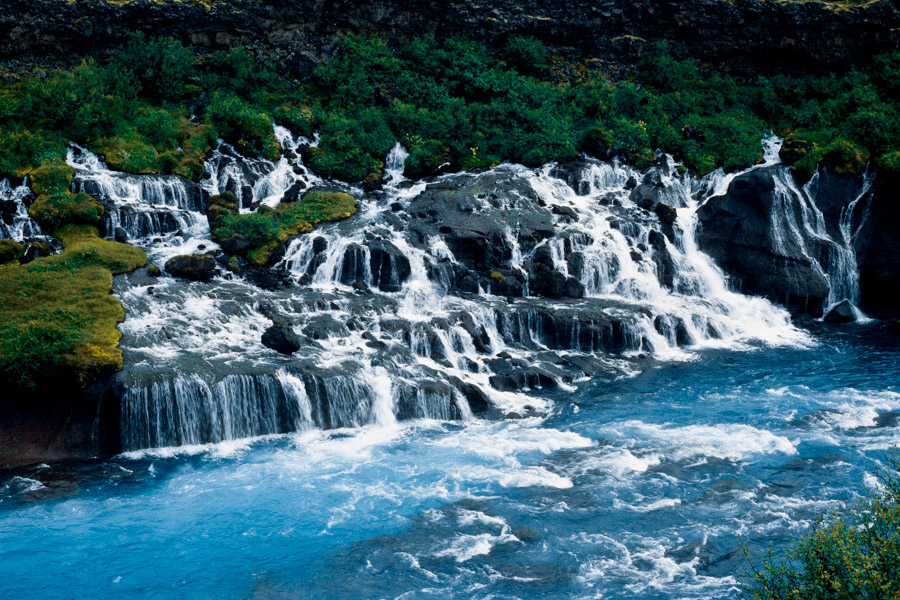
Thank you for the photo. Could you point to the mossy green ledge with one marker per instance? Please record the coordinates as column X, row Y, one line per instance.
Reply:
column 258, row 235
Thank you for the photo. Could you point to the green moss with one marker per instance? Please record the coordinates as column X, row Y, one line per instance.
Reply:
column 499, row 278
column 11, row 251
column 153, row 271
column 59, row 319
column 267, row 229
column 55, row 205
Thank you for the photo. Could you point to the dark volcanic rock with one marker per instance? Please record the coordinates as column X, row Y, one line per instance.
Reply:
column 237, row 244
column 390, row 267
column 842, row 312
column 281, row 338
column 736, row 230
column 878, row 251
column 197, row 267
column 476, row 215
column 745, row 37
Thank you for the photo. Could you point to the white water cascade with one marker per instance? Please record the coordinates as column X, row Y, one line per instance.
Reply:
column 454, row 298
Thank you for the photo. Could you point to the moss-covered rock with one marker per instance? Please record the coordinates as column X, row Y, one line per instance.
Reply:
column 59, row 319
column 153, row 271
column 260, row 234
column 55, row 205
column 794, row 149
column 196, row 267
column 11, row 251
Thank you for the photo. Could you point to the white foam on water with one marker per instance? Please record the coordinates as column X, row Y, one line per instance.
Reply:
column 465, row 546
column 727, row 441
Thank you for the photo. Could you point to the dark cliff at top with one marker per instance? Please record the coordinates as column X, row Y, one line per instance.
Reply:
column 743, row 37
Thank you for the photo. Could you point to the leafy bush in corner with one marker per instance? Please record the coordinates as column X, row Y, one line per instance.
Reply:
column 855, row 556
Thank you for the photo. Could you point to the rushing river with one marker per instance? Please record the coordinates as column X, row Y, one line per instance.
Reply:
column 519, row 383
column 642, row 487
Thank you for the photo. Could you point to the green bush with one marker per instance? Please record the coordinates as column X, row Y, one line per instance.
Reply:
column 243, row 125
column 855, row 557
column 162, row 67
column 526, row 54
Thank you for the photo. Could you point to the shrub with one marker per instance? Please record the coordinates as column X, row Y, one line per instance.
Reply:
column 162, row 67
column 526, row 54
column 242, row 125
column 855, row 556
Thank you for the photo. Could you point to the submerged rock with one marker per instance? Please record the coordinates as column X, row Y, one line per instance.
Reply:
column 196, row 267
column 842, row 312
column 281, row 338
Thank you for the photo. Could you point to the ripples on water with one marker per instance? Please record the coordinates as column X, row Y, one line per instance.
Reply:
column 639, row 488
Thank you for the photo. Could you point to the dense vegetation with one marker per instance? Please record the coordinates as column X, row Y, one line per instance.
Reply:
column 58, row 322
column 454, row 104
column 855, row 557
column 159, row 107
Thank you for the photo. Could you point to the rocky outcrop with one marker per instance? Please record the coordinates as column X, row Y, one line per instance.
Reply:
column 281, row 338
column 737, row 232
column 761, row 235
column 744, row 37
column 60, row 423
column 878, row 251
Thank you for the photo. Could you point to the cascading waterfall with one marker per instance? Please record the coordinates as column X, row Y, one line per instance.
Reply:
column 15, row 224
column 140, row 206
column 404, row 316
column 798, row 226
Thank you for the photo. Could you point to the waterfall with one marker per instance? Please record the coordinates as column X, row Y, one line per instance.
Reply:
column 15, row 224
column 799, row 227
column 139, row 206
column 408, row 311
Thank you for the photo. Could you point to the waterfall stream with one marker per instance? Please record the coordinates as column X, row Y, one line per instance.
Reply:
column 428, row 303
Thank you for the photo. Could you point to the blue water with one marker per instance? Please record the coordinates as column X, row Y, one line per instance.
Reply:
column 637, row 488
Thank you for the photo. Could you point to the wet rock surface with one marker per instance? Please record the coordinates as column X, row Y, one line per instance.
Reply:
column 197, row 267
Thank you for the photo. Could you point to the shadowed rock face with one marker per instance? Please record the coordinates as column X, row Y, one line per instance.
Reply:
column 736, row 231
column 761, row 241
column 745, row 37
column 878, row 252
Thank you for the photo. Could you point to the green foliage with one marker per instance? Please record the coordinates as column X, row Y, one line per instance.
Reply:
column 31, row 351
column 526, row 54
column 243, row 125
column 267, row 228
column 58, row 323
column 855, row 556
column 259, row 228
column 11, row 251
column 161, row 67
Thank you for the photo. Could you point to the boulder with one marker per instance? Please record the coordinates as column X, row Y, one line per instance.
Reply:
column 842, row 312
column 237, row 244
column 666, row 213
column 281, row 338
column 293, row 193
column 196, row 267
column 389, row 266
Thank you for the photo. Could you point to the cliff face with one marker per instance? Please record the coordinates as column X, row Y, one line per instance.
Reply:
column 744, row 37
